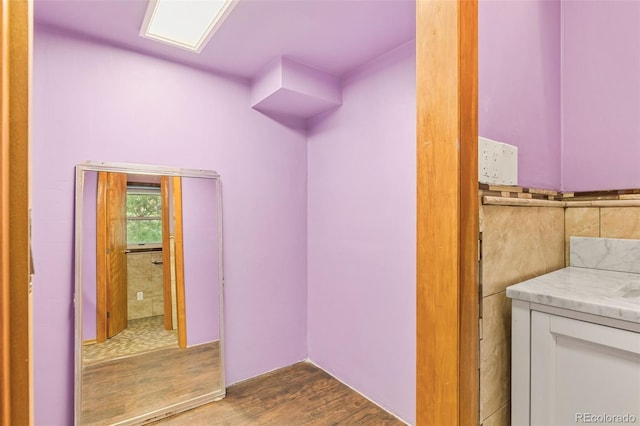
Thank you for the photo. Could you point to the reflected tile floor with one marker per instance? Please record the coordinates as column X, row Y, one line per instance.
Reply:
column 141, row 335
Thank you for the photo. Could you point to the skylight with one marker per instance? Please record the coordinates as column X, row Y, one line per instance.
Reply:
column 188, row 24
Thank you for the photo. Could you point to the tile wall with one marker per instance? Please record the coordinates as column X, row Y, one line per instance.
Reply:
column 602, row 221
column 518, row 243
column 146, row 277
column 525, row 233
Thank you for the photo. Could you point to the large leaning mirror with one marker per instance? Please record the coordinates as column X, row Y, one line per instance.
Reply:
column 148, row 292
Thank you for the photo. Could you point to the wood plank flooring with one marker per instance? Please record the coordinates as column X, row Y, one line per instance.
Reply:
column 120, row 389
column 301, row 394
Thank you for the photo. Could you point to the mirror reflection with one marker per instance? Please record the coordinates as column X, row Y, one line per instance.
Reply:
column 148, row 334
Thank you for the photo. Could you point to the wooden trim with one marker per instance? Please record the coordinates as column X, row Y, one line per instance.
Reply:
column 469, row 291
column 438, row 206
column 488, row 200
column 5, row 259
column 89, row 342
column 447, row 213
column 603, row 203
column 166, row 252
column 179, row 258
column 15, row 296
column 101, row 258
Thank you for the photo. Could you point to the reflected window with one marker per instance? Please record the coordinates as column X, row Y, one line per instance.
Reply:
column 144, row 220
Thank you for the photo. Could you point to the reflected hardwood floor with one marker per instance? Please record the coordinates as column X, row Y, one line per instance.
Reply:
column 301, row 394
column 119, row 389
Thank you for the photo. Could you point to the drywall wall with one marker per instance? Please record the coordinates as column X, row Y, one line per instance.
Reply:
column 89, row 199
column 601, row 95
column 96, row 102
column 559, row 80
column 201, row 257
column 361, row 233
column 519, row 84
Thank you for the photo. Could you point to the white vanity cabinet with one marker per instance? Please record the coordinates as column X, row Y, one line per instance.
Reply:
column 573, row 368
column 576, row 348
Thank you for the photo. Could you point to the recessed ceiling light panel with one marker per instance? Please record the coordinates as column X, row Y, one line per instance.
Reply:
column 188, row 24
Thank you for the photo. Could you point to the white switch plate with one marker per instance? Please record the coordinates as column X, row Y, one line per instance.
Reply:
column 139, row 295
column 497, row 162
column 509, row 164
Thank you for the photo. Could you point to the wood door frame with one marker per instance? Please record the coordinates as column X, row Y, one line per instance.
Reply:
column 447, row 375
column 16, row 390
column 179, row 259
column 166, row 254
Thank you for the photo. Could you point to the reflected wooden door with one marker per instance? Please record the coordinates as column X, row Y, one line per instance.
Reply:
column 111, row 259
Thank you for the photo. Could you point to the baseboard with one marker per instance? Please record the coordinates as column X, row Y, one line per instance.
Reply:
column 205, row 343
column 266, row 372
column 89, row 342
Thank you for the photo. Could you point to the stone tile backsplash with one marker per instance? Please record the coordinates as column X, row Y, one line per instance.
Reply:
column 518, row 243
column 146, row 277
column 611, row 254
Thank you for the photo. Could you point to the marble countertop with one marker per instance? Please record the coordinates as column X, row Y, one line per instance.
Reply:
column 609, row 294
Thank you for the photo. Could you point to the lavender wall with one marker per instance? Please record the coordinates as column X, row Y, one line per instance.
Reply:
column 89, row 198
column 560, row 81
column 200, row 227
column 95, row 102
column 361, row 233
column 601, row 95
column 519, row 84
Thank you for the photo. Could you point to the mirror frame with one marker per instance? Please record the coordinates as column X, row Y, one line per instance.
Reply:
column 140, row 169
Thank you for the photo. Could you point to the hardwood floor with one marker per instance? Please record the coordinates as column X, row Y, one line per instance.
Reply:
column 116, row 390
column 301, row 394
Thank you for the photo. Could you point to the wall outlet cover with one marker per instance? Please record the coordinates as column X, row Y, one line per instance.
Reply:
column 497, row 162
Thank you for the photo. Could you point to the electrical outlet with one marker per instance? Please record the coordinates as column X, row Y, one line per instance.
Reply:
column 509, row 164
column 139, row 295
column 497, row 162
column 484, row 153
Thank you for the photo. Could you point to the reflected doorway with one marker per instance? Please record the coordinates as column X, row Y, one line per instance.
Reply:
column 137, row 294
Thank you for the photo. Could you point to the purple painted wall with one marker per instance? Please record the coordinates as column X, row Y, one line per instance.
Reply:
column 89, row 198
column 560, row 81
column 95, row 102
column 200, row 227
column 361, row 233
column 601, row 95
column 519, row 84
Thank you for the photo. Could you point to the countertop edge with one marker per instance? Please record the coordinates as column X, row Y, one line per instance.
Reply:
column 549, row 295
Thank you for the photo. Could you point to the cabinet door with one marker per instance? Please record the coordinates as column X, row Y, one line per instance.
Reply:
column 583, row 372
